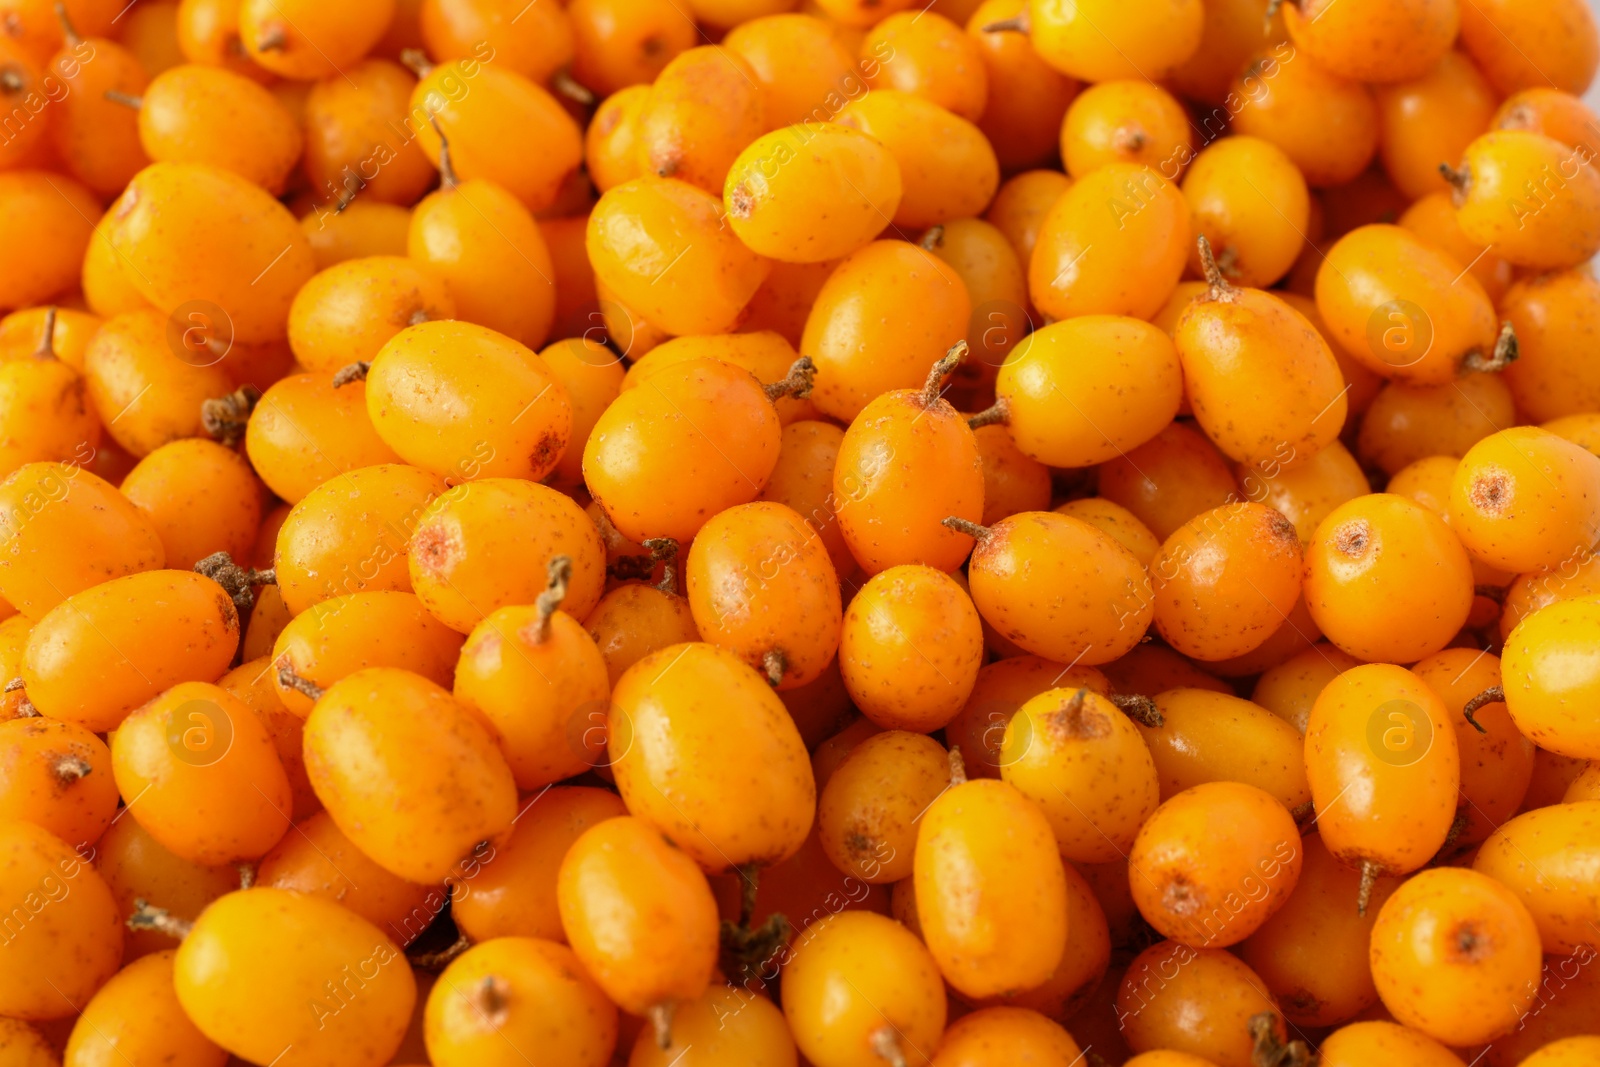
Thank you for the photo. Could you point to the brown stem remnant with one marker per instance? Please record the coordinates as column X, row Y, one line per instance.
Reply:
column 958, row 766
column 664, row 550
column 1141, row 710
column 660, row 1016
column 1271, row 1050
column 966, row 526
column 1369, row 878
column 448, row 178
column 1505, row 352
column 549, row 601
column 773, row 665
column 47, row 340
column 797, row 383
column 238, row 582
column 933, row 387
column 147, row 916
column 225, row 417
column 287, row 677
column 998, row 412
column 438, row 960
column 351, row 372
column 933, row 238
column 1492, row 695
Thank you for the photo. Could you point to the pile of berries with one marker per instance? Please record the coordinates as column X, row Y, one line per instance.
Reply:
column 799, row 533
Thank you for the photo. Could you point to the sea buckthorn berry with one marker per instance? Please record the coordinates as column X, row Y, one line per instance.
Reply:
column 1009, row 1035
column 1214, row 737
column 350, row 534
column 1083, row 959
column 1503, row 37
column 1551, row 112
column 1373, row 41
column 356, row 138
column 1567, row 1052
column 784, row 185
column 317, row 860
column 618, row 43
column 192, row 232
column 1551, row 315
column 1382, row 727
column 71, row 939
column 338, row 637
column 1025, row 570
column 947, row 168
column 305, row 431
column 1117, row 521
column 22, row 333
column 1312, row 952
column 1536, row 200
column 1382, row 1041
column 347, row 313
column 96, row 138
column 150, row 394
column 493, row 408
column 1524, row 499
column 1120, row 379
column 860, row 990
column 1407, row 423
column 1100, row 41
column 767, row 355
column 803, row 66
column 103, row 652
column 45, row 411
column 136, row 867
column 640, row 916
column 1455, row 954
column 1114, row 243
column 56, row 775
column 518, row 992
column 868, row 813
column 1012, row 481
column 136, row 1017
column 408, row 773
column 1251, row 203
column 480, row 109
column 705, row 108
column 1306, row 493
column 535, row 691
column 513, row 891
column 1198, row 1001
column 884, row 316
column 1326, row 125
column 1027, row 98
column 1433, row 218
column 303, row 942
column 1079, row 758
column 753, row 805
column 1407, row 310
column 1126, row 122
column 211, row 787
column 202, row 498
column 1231, row 33
column 1542, row 856
column 1387, row 579
column 191, row 114
column 297, row 39
column 53, row 216
column 639, row 232
column 927, row 55
column 610, row 152
column 996, row 284
column 363, row 228
column 592, row 376
column 634, row 620
column 1430, row 117
column 1169, row 479
column 888, row 516
column 208, row 32
column 725, row 1026
column 1002, row 687
column 534, row 40
column 1239, row 563
column 760, row 584
column 1021, row 205
column 1547, row 678
column 1214, row 862
column 910, row 648
column 26, row 1046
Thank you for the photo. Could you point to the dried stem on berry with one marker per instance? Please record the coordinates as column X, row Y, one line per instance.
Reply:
column 1369, row 878
column 966, row 526
column 351, row 372
column 1504, row 354
column 958, row 766
column 886, row 1044
column 116, row 96
column 47, row 340
column 773, row 664
column 147, row 916
column 238, row 582
column 660, row 1016
column 933, row 238
column 998, row 412
column 797, row 383
column 1141, row 710
column 287, row 677
column 549, row 601
column 434, row 962
column 664, row 550
column 933, row 387
column 447, row 168
column 225, row 417
column 1492, row 695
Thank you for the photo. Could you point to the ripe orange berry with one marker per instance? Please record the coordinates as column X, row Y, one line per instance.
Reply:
column 1214, row 862
column 1251, row 203
column 363, row 228
column 1126, row 122
column 1502, row 37
column 136, row 1016
column 1198, row 1001
column 56, row 775
column 1369, row 41
column 655, row 241
column 518, row 992
column 910, row 648
column 1546, row 678
column 886, row 314
column 1455, row 955
column 927, row 55
column 948, row 170
column 1076, row 756
column 704, row 109
column 860, row 989
column 1410, row 423
column 1102, row 41
column 753, row 799
column 1382, row 727
column 201, row 497
column 136, row 867
column 1541, row 857
column 1020, row 206
column 1524, row 499
column 356, row 140
column 1169, row 479
column 1536, row 200
column 1550, row 314
column 781, row 188
column 187, row 115
column 1239, row 563
column 868, row 812
column 306, row 431
column 302, row 942
column 1213, row 737
column 618, row 43
column 1027, row 98
column 1429, row 117
column 1364, row 1042
column 1433, row 218
column 1114, row 244
column 640, row 916
column 410, row 775
column 1326, row 125
column 763, row 353
column 346, row 313
column 535, row 40
column 70, row 938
